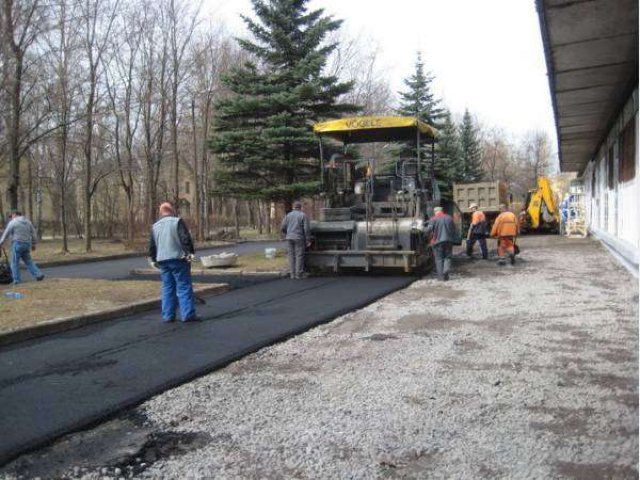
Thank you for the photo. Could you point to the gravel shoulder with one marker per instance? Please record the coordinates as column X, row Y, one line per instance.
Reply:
column 504, row 372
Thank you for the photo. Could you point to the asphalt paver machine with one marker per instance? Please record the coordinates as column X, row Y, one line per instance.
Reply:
column 375, row 215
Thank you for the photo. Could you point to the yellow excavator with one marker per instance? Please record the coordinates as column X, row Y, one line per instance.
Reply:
column 540, row 212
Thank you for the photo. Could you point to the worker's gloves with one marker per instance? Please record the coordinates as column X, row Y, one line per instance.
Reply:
column 153, row 264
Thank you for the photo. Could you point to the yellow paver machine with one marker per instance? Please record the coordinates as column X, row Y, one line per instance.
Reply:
column 376, row 212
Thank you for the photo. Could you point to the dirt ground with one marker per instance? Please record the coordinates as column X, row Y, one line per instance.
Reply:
column 519, row 372
column 56, row 298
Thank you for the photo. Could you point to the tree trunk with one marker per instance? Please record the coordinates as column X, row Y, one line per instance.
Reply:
column 30, row 189
column 260, row 217
column 152, row 196
column 63, row 221
column 131, row 218
column 236, row 217
column 174, row 147
column 204, row 226
column 88, row 154
column 250, row 204
column 13, row 130
column 269, row 218
column 196, row 182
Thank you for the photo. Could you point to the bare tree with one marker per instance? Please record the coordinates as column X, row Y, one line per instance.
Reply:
column 125, row 116
column 356, row 60
column 152, row 96
column 535, row 158
column 181, row 21
column 59, row 152
column 95, row 87
column 211, row 57
column 22, row 23
column 97, row 21
column 497, row 155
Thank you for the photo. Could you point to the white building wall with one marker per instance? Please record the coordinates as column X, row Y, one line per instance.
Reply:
column 613, row 211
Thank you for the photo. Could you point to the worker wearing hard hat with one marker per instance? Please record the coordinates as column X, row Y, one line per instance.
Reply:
column 505, row 230
column 478, row 231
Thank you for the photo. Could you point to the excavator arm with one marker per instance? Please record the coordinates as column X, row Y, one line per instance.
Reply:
column 535, row 208
column 540, row 200
column 547, row 196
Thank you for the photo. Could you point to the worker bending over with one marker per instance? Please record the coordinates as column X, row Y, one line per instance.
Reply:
column 505, row 229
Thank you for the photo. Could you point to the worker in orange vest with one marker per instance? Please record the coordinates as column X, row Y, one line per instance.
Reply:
column 478, row 231
column 505, row 229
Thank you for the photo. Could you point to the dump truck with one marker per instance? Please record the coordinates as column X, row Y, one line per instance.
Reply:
column 375, row 217
column 487, row 195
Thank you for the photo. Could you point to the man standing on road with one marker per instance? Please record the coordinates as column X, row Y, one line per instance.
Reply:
column 295, row 228
column 23, row 242
column 478, row 231
column 171, row 249
column 443, row 236
column 505, row 229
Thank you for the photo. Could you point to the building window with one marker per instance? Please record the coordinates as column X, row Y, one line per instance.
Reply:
column 628, row 152
column 187, row 187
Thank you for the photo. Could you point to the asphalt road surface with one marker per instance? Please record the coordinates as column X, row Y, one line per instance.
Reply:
column 117, row 269
column 60, row 383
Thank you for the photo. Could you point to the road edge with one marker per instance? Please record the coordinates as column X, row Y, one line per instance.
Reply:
column 121, row 256
column 63, row 324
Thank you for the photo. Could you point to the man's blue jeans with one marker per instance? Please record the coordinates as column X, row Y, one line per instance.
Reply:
column 176, row 289
column 22, row 250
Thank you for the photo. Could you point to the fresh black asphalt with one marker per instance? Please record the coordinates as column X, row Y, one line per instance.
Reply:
column 64, row 382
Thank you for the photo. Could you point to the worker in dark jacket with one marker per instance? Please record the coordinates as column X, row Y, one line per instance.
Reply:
column 443, row 236
column 295, row 228
column 478, row 231
column 171, row 250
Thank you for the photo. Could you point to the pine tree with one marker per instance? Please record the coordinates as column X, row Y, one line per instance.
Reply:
column 449, row 156
column 263, row 129
column 419, row 101
column 470, row 149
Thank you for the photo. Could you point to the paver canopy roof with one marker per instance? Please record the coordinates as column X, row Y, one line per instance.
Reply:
column 375, row 129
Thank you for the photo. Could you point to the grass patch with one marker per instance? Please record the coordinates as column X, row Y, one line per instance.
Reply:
column 61, row 297
column 259, row 263
column 251, row 234
column 50, row 250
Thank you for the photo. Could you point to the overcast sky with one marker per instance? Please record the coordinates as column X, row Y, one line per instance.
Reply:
column 486, row 55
